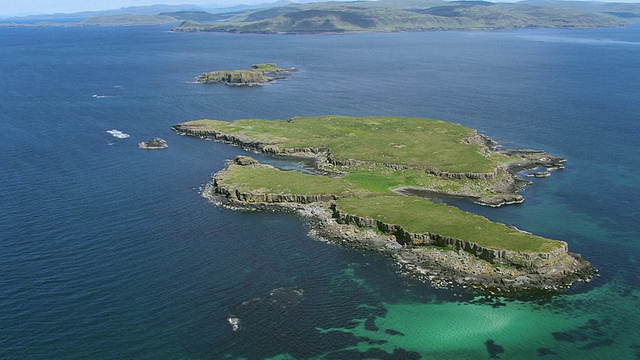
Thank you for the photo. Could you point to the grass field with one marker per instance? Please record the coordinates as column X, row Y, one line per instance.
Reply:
column 414, row 214
column 267, row 179
column 417, row 215
column 367, row 187
column 429, row 144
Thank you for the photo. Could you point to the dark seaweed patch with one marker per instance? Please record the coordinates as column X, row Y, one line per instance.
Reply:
column 591, row 334
column 572, row 336
column 393, row 332
column 375, row 342
column 370, row 325
column 545, row 352
column 597, row 344
column 493, row 349
column 398, row 354
column 488, row 300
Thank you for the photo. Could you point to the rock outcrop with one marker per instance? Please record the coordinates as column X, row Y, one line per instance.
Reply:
column 258, row 74
column 154, row 144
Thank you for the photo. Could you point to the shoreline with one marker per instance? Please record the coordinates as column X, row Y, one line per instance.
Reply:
column 440, row 267
column 480, row 265
column 505, row 191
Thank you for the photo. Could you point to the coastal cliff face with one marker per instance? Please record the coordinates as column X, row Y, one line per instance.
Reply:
column 371, row 163
column 540, row 262
column 249, row 197
column 442, row 260
column 233, row 77
column 501, row 184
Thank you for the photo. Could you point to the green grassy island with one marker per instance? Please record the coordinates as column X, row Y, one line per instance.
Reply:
column 374, row 178
column 258, row 74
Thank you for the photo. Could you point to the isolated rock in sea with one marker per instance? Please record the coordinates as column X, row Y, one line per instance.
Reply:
column 258, row 74
column 155, row 144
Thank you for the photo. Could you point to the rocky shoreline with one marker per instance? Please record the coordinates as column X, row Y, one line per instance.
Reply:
column 153, row 144
column 443, row 262
column 505, row 180
column 257, row 75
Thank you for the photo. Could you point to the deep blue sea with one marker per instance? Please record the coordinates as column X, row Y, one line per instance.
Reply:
column 109, row 252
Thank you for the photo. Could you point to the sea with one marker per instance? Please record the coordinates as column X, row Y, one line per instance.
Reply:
column 108, row 251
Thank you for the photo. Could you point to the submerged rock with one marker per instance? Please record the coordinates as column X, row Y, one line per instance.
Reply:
column 493, row 349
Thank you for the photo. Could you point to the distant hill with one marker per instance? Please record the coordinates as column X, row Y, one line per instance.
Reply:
column 284, row 17
column 412, row 15
column 137, row 15
column 132, row 10
column 620, row 10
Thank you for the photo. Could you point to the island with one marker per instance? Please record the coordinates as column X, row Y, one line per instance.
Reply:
column 154, row 144
column 372, row 181
column 258, row 74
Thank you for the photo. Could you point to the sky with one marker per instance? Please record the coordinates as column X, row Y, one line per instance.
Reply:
column 30, row 7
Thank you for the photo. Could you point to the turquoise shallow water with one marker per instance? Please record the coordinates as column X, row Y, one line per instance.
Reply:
column 109, row 251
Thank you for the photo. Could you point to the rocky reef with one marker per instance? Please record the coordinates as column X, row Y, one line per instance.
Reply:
column 258, row 74
column 154, row 144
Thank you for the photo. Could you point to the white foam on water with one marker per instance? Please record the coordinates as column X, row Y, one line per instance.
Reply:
column 118, row 134
column 234, row 322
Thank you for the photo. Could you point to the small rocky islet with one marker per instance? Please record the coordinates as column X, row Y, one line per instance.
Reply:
column 153, row 144
column 257, row 75
column 366, row 194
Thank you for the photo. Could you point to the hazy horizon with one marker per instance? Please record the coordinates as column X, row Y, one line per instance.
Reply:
column 43, row 7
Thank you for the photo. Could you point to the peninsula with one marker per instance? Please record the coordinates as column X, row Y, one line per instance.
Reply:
column 258, row 74
column 371, row 175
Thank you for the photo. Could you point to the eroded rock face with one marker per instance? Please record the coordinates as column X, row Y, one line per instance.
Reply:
column 239, row 196
column 532, row 262
column 504, row 182
column 234, row 77
column 443, row 261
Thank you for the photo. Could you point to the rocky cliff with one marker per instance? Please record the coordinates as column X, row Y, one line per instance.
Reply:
column 503, row 181
column 441, row 259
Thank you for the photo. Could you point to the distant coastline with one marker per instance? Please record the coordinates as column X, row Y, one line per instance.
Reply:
column 340, row 18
